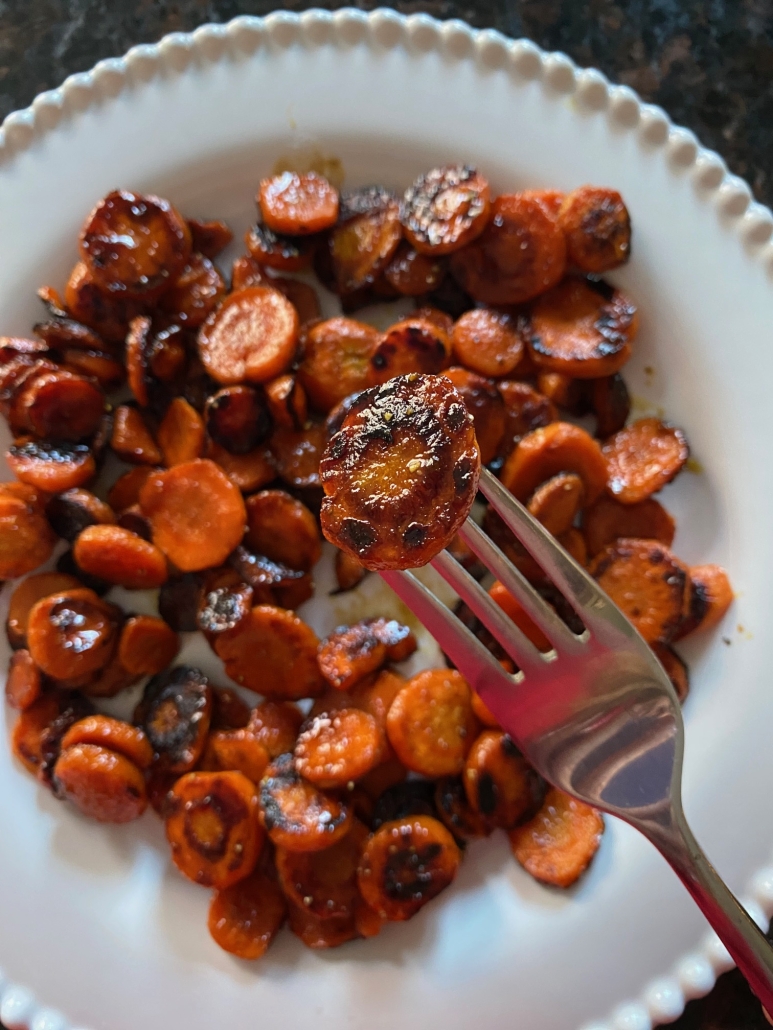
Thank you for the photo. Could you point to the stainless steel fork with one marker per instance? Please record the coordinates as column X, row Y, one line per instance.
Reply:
column 596, row 716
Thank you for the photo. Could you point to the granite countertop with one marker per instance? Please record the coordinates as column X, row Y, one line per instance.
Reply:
column 709, row 63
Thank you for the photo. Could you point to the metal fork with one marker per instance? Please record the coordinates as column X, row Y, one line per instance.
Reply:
column 596, row 716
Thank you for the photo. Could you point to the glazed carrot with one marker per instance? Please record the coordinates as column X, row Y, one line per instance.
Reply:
column 336, row 360
column 138, row 344
column 108, row 681
column 339, row 748
column 376, row 694
column 298, row 205
column 500, row 784
column 213, row 828
column 558, row 447
column 487, row 342
column 642, row 458
column 675, row 668
column 103, row 784
column 350, row 654
column 521, row 253
column 648, row 583
column 464, row 822
column 69, row 513
column 273, row 653
column 120, row 556
column 481, row 711
column 387, row 774
column 607, row 520
column 229, row 711
column 484, row 402
column 557, row 501
column 245, row 917
column 582, row 329
column 240, row 751
column 501, row 596
column 405, row 864
column 413, row 274
column 525, row 409
column 132, row 440
column 238, row 418
column 363, row 243
column 125, row 491
column 166, row 359
column 247, row 472
column 276, row 725
column 710, row 598
column 430, row 724
column 195, row 294
column 27, row 739
column 597, row 228
column 283, row 529
column 557, row 845
column 349, row 571
column 287, row 402
column 181, row 433
column 413, row 344
column 318, row 933
column 133, row 520
column 58, row 405
column 246, row 272
column 272, row 582
column 274, row 250
column 71, row 634
column 175, row 712
column 147, row 645
column 302, row 296
column 297, row 815
column 252, row 336
column 196, row 513
column 24, row 683
column 611, row 404
column 445, row 209
column 296, row 455
column 324, row 883
column 26, row 538
column 209, row 237
column 112, row 734
column 51, row 467
column 107, row 313
column 108, row 372
column 223, row 605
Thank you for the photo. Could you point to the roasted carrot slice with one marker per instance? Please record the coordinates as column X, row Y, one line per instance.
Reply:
column 26, row 538
column 133, row 520
column 230, row 711
column 607, row 520
column 24, row 683
column 213, row 827
column 557, row 501
column 349, row 571
column 375, row 695
column 453, row 807
column 413, row 274
column 71, row 512
column 273, row 250
column 272, row 582
column 298, row 205
column 525, row 409
column 445, row 209
column 484, row 402
column 710, row 598
column 120, row 556
column 238, row 418
column 196, row 512
column 181, row 433
column 297, row 455
column 147, row 645
column 521, row 253
column 159, row 788
column 59, row 405
column 597, row 228
column 108, row 681
column 642, row 458
column 274, row 653
column 108, row 372
column 138, row 344
column 106, row 312
column 132, row 440
column 501, row 596
column 101, row 783
column 112, row 734
column 363, row 243
column 400, row 475
column 209, row 237
column 407, row 863
column 339, row 748
column 351, row 653
column 318, row 933
column 51, row 466
column 387, row 774
column 28, row 737
column 582, row 329
column 297, row 815
column 178, row 601
column 135, row 245
column 557, row 845
column 500, row 784
column 195, row 294
column 675, row 668
column 287, row 402
column 276, row 725
column 487, row 342
column 413, row 344
column 175, row 712
column 125, row 491
column 324, row 883
column 247, row 472
column 252, row 336
column 648, row 583
column 245, row 917
column 283, row 529
column 336, row 360
column 482, row 712
column 167, row 359
column 239, row 750
column 611, row 404
column 71, row 634
column 303, row 297
column 224, row 606
column 560, row 389
column 430, row 724
column 558, row 447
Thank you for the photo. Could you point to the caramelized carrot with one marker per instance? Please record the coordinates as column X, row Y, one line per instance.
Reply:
column 597, row 228
column 108, row 372
column 526, row 409
column 318, row 933
column 376, row 694
column 487, row 342
column 209, row 237
column 29, row 734
column 58, row 405
column 710, row 597
column 195, row 294
column 287, row 402
column 247, row 472
column 276, row 725
column 608, row 520
column 238, row 418
column 557, row 845
column 386, row 774
column 642, row 458
column 481, row 711
column 103, row 784
column 298, row 816
column 274, row 250
column 71, row 634
column 464, row 822
column 557, row 501
column 138, row 343
column 339, row 748
column 297, row 455
column 501, row 596
column 270, row 581
column 413, row 344
column 224, row 604
column 112, row 734
column 246, row 272
column 558, row 447
column 120, row 556
column 175, row 712
column 324, row 883
column 298, row 205
column 362, row 243
column 304, row 298
column 181, row 433
column 50, row 466
column 611, row 404
column 229, row 711
column 24, row 683
column 71, row 512
column 147, row 645
column 349, row 571
column 196, row 513
column 445, row 209
column 106, row 312
column 484, row 402
column 26, row 538
column 125, row 491
column 413, row 274
column 675, row 668
column 240, row 751
column 245, row 917
column 336, row 360
column 132, row 440
column 351, row 653
column 283, row 529
column 252, row 336
column 500, row 785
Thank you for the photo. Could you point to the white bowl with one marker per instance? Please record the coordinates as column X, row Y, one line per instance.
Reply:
column 94, row 921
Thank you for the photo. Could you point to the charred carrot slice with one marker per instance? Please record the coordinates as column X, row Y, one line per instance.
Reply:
column 582, row 329
column 175, row 712
column 276, row 725
column 297, row 455
column 453, row 807
column 351, row 653
column 167, row 359
column 106, row 312
column 120, row 556
column 484, row 402
column 558, row 447
column 338, row 748
column 648, row 583
column 273, row 250
column 500, row 784
column 138, row 344
column 71, row 512
column 298, row 205
column 71, row 634
column 287, row 402
column 270, row 581
column 147, row 645
column 245, row 917
column 195, row 294
column 196, row 513
column 336, row 360
column 430, row 724
column 132, row 440
column 224, row 606
column 710, row 597
column 521, row 253
column 414, row 344
column 26, row 538
column 318, row 933
column 103, row 368
column 247, row 472
column 557, row 845
column 597, row 228
column 283, row 529
column 557, row 502
column 181, row 433
column 59, row 405
column 28, row 737
column 24, row 683
column 213, row 828
column 487, row 342
column 112, row 734
column 133, row 244
column 251, row 337
column 363, row 243
column 324, row 883
column 229, row 711
column 611, row 404
column 274, row 653
column 209, row 237
column 642, row 458
column 445, row 209
column 101, row 783
column 407, row 863
column 501, row 596
column 297, row 815
column 413, row 274
column 238, row 418
column 51, row 466
column 125, row 492
column 526, row 409
column 608, row 520
column 675, row 668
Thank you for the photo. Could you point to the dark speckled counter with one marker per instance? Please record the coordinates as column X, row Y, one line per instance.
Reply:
column 709, row 63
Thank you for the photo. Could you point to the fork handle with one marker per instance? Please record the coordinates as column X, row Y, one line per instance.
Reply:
column 736, row 929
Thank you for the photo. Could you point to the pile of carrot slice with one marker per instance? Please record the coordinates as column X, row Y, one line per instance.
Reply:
column 346, row 797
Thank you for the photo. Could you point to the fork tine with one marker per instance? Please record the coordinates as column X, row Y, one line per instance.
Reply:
column 511, row 637
column 472, row 659
column 516, row 583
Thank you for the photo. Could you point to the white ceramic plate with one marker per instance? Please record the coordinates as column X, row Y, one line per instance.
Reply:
column 94, row 921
